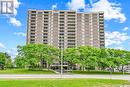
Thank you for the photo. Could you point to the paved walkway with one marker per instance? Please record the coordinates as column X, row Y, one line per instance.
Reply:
column 39, row 76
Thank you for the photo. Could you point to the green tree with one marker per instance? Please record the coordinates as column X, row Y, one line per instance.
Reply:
column 35, row 54
column 85, row 52
column 5, row 60
column 8, row 62
column 85, row 56
column 20, row 61
column 71, row 55
column 102, row 60
column 88, row 56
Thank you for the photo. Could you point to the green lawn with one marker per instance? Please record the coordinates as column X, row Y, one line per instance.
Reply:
column 63, row 83
column 25, row 71
column 97, row 72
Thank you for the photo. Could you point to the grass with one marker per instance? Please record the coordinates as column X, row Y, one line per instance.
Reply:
column 45, row 71
column 64, row 83
column 25, row 71
column 98, row 72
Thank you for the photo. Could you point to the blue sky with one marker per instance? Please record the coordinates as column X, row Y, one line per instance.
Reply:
column 117, row 20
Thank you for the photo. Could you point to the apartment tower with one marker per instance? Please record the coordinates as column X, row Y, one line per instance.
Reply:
column 64, row 29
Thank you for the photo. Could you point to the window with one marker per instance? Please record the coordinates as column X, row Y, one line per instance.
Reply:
column 61, row 21
column 32, row 33
column 61, row 24
column 45, row 24
column 45, row 34
column 71, row 37
column 71, row 40
column 71, row 24
column 71, row 21
column 71, row 30
column 71, row 34
column 33, row 14
column 33, row 11
column 71, row 43
column 46, row 12
column 39, row 12
column 61, row 43
column 61, row 18
column 32, row 36
column 61, row 27
column 45, row 21
column 45, row 30
column 61, row 30
column 61, row 33
column 32, row 26
column 45, row 40
column 32, row 23
column 62, row 12
column 32, row 30
column 45, row 27
column 71, row 12
column 32, row 40
column 32, row 17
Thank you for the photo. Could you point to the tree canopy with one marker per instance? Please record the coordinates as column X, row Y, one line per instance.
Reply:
column 35, row 54
column 97, row 58
column 5, row 60
column 86, row 57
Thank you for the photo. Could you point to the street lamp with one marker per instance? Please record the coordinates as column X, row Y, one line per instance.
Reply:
column 61, row 61
column 61, row 55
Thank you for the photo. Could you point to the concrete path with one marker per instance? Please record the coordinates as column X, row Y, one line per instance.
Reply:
column 43, row 76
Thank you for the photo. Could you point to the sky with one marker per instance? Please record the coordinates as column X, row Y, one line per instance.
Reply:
column 117, row 21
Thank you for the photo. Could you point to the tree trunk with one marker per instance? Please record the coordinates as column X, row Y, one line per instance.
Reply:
column 83, row 68
column 2, row 67
column 96, row 68
column 42, row 63
column 113, row 70
column 47, row 66
column 110, row 70
column 122, row 69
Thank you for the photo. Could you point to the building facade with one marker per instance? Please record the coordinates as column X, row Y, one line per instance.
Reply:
column 64, row 29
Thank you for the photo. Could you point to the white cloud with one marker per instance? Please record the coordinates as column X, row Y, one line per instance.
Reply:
column 120, row 47
column 20, row 34
column 92, row 1
column 54, row 6
column 2, row 46
column 15, row 22
column 76, row 4
column 12, row 52
column 115, row 38
column 111, row 10
column 16, row 5
column 125, row 29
